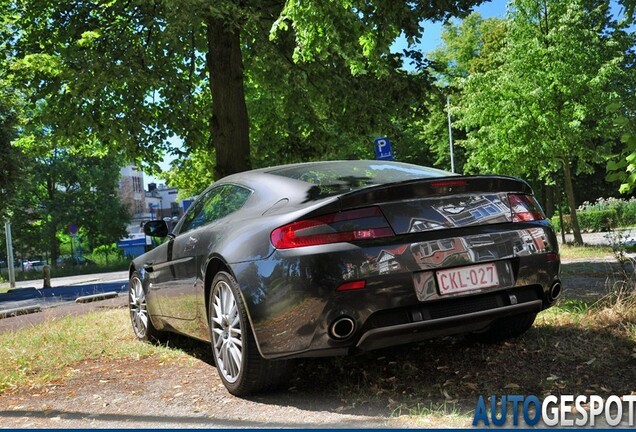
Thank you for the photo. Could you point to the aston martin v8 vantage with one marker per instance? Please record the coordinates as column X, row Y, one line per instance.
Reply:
column 331, row 258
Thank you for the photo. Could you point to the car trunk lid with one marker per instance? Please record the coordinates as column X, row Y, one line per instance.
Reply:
column 446, row 203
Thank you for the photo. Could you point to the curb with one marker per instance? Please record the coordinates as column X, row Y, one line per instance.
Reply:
column 96, row 297
column 20, row 311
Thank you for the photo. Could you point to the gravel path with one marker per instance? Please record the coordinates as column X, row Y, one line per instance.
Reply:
column 183, row 393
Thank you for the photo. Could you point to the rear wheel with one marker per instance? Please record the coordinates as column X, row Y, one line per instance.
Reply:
column 139, row 316
column 506, row 328
column 240, row 365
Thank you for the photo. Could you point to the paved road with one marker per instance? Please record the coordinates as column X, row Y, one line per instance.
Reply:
column 603, row 238
column 62, row 306
column 73, row 280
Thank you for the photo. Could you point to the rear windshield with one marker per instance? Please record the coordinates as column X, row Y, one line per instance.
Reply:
column 332, row 178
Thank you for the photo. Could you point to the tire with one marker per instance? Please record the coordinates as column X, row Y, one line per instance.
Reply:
column 505, row 328
column 139, row 316
column 241, row 368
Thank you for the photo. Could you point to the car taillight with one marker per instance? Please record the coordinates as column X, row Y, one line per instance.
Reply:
column 525, row 208
column 352, row 286
column 361, row 224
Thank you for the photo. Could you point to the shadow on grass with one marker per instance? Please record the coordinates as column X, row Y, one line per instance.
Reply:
column 447, row 375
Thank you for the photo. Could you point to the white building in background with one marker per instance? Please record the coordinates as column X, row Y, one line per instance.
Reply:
column 158, row 202
column 133, row 196
column 162, row 202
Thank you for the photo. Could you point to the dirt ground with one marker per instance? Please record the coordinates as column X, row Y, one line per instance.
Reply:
column 187, row 393
column 151, row 394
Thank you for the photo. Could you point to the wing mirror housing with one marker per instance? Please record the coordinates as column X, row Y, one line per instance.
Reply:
column 156, row 228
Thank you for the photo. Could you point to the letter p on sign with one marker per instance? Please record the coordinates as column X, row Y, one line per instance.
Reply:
column 383, row 150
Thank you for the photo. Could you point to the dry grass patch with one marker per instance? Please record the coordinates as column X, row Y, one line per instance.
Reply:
column 44, row 353
column 569, row 251
column 573, row 348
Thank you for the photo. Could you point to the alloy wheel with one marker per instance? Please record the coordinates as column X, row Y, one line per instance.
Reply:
column 138, row 309
column 227, row 338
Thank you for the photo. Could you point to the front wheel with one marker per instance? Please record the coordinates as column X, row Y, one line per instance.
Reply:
column 139, row 316
column 241, row 367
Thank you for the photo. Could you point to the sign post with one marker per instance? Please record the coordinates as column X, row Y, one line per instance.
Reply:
column 450, row 134
column 72, row 229
column 383, row 150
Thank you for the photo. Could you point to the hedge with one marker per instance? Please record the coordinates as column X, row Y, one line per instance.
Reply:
column 590, row 221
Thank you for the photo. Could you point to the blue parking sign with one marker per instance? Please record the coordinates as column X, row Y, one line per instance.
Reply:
column 383, row 150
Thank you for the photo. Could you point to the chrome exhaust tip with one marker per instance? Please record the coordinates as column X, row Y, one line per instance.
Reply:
column 342, row 328
column 555, row 291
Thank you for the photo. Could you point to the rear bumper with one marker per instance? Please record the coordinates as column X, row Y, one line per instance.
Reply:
column 292, row 299
column 425, row 329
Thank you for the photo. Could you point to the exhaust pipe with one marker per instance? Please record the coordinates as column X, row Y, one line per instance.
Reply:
column 555, row 291
column 342, row 328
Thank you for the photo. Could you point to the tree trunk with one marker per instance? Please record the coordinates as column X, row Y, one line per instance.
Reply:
column 54, row 243
column 548, row 191
column 569, row 192
column 229, row 123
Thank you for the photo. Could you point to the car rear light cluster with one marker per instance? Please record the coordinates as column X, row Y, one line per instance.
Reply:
column 352, row 286
column 525, row 208
column 360, row 224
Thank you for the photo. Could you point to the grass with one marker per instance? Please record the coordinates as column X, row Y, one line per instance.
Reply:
column 569, row 251
column 429, row 415
column 36, row 356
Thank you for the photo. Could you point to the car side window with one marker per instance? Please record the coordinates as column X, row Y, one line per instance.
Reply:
column 217, row 203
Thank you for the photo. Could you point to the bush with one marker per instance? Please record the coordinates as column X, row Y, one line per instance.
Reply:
column 628, row 216
column 601, row 215
column 567, row 223
column 589, row 221
column 597, row 220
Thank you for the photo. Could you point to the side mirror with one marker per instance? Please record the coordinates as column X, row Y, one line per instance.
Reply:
column 156, row 228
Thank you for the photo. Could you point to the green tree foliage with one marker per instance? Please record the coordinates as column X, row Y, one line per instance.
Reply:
column 315, row 110
column 467, row 47
column 65, row 188
column 106, row 251
column 12, row 162
column 129, row 74
column 544, row 108
column 622, row 167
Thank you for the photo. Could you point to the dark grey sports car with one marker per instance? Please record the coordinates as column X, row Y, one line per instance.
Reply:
column 330, row 258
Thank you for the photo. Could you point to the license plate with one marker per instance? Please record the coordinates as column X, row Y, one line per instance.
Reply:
column 457, row 280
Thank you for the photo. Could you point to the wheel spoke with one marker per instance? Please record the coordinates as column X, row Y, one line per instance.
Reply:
column 144, row 320
column 236, row 356
column 224, row 299
column 218, row 344
column 226, row 360
column 217, row 306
